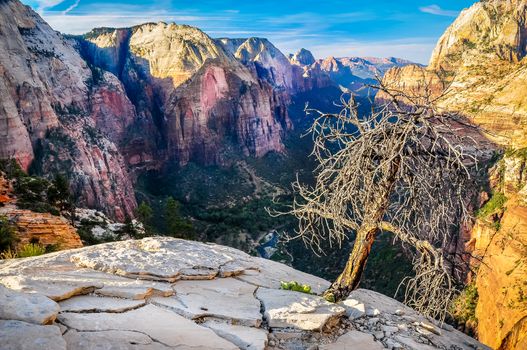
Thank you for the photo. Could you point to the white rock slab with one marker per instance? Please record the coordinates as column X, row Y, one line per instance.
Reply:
column 271, row 273
column 374, row 303
column 61, row 285
column 354, row 308
column 32, row 308
column 164, row 259
column 111, row 340
column 288, row 309
column 91, row 303
column 244, row 337
column 18, row 335
column 164, row 326
column 223, row 298
column 354, row 340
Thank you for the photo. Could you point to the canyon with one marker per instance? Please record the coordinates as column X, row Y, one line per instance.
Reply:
column 114, row 105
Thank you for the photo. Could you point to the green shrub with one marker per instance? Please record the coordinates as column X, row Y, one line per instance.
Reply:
column 7, row 234
column 177, row 226
column 31, row 249
column 295, row 286
column 463, row 308
column 494, row 204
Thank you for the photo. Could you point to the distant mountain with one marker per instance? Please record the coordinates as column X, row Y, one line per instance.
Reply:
column 348, row 72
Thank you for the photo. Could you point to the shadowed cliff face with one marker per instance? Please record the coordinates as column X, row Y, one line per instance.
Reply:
column 50, row 105
column 194, row 100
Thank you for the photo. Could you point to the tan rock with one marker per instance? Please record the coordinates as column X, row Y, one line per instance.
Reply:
column 288, row 309
column 224, row 298
column 91, row 303
column 111, row 340
column 354, row 340
column 44, row 228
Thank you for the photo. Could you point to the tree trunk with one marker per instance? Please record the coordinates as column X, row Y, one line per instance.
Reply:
column 349, row 278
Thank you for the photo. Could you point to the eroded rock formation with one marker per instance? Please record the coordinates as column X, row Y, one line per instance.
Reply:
column 48, row 116
column 478, row 70
column 207, row 296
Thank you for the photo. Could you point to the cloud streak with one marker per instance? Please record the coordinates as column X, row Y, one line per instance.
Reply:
column 438, row 11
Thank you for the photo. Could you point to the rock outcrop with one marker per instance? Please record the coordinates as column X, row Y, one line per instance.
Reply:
column 499, row 239
column 44, row 228
column 164, row 293
column 32, row 227
column 48, row 116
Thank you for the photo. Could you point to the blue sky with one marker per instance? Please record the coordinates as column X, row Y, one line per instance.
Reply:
column 407, row 29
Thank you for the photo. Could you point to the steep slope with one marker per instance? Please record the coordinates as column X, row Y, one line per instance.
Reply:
column 192, row 97
column 478, row 70
column 50, row 104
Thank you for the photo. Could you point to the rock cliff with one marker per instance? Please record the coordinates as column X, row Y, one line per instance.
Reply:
column 48, row 116
column 478, row 70
column 194, row 99
column 163, row 293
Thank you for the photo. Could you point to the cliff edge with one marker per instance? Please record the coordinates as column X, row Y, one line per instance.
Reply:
column 163, row 293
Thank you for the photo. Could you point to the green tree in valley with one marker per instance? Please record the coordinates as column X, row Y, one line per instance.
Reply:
column 176, row 226
column 144, row 214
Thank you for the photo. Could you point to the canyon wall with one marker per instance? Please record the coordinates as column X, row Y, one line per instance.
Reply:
column 49, row 106
column 194, row 99
column 478, row 70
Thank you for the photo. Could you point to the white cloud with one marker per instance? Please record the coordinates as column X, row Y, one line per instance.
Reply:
column 46, row 4
column 74, row 5
column 437, row 10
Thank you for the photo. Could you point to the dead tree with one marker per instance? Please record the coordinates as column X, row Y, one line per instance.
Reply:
column 403, row 169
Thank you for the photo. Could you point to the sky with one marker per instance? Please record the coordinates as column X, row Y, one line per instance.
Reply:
column 382, row 28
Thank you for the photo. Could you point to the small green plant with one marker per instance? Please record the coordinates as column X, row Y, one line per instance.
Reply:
column 496, row 203
column 31, row 249
column 295, row 286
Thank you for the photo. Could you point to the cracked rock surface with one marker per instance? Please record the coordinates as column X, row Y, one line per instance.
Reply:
column 165, row 293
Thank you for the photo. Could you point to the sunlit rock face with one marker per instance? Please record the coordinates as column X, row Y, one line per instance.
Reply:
column 478, row 70
column 479, row 60
column 50, row 105
column 193, row 97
